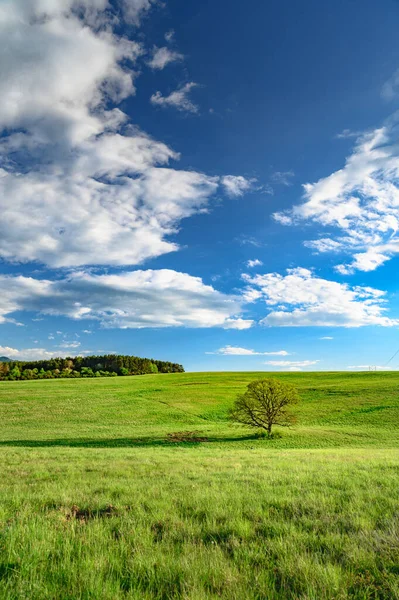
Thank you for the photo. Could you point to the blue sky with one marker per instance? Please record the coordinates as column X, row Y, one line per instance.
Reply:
column 211, row 183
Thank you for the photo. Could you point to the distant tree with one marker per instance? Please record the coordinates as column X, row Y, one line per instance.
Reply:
column 265, row 403
column 86, row 372
column 109, row 365
column 15, row 373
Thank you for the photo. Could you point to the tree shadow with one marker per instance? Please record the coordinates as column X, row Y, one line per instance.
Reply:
column 123, row 442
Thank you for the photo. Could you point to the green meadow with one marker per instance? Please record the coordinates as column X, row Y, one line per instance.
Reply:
column 102, row 496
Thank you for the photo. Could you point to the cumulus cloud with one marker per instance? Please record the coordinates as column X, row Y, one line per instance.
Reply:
column 302, row 299
column 135, row 299
column 83, row 220
column 79, row 184
column 236, row 351
column 237, row 323
column 161, row 57
column 57, row 71
column 254, row 263
column 178, row 99
column 361, row 200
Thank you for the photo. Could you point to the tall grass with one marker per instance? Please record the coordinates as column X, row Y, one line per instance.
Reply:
column 96, row 503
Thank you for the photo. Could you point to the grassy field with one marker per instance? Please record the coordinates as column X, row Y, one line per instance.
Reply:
column 97, row 503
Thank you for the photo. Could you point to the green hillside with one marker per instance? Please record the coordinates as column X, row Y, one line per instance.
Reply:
column 99, row 500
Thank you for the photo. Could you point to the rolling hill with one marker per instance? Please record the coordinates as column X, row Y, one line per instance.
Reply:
column 100, row 498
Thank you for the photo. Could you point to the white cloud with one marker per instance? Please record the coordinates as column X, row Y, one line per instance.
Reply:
column 70, row 345
column 79, row 184
column 292, row 364
column 237, row 323
column 57, row 70
column 121, row 222
column 30, row 353
column 236, row 351
column 245, row 240
column 348, row 133
column 237, row 185
column 254, row 263
column 134, row 10
column 178, row 99
column 363, row 261
column 169, row 35
column 326, row 337
column 283, row 177
column 305, row 300
column 161, row 57
column 135, row 299
column 324, row 245
column 361, row 200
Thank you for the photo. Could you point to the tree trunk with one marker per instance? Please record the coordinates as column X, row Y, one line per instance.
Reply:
column 269, row 429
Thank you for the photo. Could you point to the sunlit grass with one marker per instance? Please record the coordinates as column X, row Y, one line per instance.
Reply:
column 95, row 502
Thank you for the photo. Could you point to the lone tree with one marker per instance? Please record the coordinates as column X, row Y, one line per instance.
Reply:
column 265, row 403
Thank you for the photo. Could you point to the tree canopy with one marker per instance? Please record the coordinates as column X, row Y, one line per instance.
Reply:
column 109, row 365
column 265, row 403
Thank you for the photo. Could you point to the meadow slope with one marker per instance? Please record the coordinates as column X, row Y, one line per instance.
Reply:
column 96, row 502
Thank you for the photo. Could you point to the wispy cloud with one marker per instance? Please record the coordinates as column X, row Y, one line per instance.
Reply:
column 133, row 10
column 178, row 99
column 161, row 57
column 292, row 364
column 247, row 240
column 360, row 200
column 237, row 185
column 32, row 353
column 283, row 177
column 70, row 345
column 236, row 351
column 390, row 89
column 347, row 134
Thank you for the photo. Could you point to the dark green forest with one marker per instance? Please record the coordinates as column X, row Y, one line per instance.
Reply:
column 108, row 365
